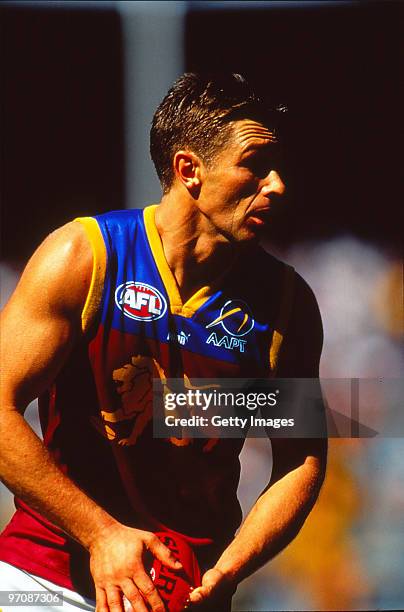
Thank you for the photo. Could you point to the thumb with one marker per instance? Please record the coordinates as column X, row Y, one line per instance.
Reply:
column 211, row 580
column 162, row 553
column 198, row 595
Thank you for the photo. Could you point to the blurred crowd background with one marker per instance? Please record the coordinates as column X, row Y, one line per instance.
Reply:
column 81, row 81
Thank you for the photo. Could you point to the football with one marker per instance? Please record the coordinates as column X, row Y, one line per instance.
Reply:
column 174, row 587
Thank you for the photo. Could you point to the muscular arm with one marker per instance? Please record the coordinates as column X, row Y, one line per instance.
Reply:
column 298, row 468
column 40, row 325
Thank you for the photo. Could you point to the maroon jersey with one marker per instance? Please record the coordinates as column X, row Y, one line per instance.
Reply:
column 97, row 417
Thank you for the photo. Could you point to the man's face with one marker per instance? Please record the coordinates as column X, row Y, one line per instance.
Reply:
column 242, row 183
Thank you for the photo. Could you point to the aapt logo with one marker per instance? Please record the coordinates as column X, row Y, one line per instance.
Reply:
column 140, row 301
column 235, row 318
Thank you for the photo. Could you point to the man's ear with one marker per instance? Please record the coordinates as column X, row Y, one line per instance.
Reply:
column 187, row 170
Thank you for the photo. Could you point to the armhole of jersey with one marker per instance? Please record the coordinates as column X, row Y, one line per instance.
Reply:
column 285, row 308
column 98, row 248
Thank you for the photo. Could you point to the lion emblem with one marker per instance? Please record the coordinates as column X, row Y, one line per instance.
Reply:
column 134, row 384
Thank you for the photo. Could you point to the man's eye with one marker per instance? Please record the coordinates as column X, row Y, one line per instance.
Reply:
column 260, row 167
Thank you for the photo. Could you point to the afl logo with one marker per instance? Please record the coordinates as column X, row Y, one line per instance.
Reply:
column 235, row 318
column 140, row 301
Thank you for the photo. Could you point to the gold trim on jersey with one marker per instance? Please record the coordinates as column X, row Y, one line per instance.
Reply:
column 177, row 307
column 98, row 248
column 201, row 296
column 285, row 308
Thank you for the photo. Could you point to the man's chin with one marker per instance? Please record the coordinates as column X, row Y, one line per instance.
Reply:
column 247, row 240
column 254, row 228
column 248, row 233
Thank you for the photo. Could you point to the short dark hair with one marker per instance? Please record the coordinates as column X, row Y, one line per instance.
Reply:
column 195, row 114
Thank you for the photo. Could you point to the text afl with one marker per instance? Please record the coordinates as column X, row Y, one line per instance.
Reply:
column 140, row 301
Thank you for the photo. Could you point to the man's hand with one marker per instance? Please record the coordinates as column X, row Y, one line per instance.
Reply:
column 35, row 344
column 215, row 585
column 117, row 566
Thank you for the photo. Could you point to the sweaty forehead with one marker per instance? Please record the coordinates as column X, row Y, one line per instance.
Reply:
column 248, row 133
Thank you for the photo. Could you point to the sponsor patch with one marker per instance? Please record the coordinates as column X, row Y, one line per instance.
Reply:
column 235, row 318
column 227, row 342
column 140, row 301
column 181, row 338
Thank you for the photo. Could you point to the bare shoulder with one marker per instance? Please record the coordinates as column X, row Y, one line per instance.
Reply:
column 301, row 351
column 58, row 275
column 42, row 320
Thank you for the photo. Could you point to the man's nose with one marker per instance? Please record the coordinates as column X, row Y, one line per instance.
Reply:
column 273, row 184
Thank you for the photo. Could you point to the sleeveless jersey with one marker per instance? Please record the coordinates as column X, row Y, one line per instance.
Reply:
column 97, row 417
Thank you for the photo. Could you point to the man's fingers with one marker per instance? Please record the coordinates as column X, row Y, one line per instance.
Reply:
column 114, row 600
column 163, row 553
column 134, row 597
column 199, row 594
column 149, row 592
column 212, row 582
column 101, row 600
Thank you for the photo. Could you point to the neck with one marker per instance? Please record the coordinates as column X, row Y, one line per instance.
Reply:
column 196, row 253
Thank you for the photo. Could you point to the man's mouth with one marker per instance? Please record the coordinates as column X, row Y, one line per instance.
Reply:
column 259, row 216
